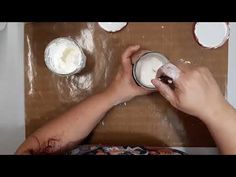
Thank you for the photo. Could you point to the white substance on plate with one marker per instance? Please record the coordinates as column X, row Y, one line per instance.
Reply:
column 211, row 35
column 63, row 56
column 112, row 26
column 146, row 70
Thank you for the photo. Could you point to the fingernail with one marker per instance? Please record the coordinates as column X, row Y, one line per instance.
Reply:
column 155, row 82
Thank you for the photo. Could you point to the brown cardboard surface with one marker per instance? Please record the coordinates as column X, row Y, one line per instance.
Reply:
column 145, row 120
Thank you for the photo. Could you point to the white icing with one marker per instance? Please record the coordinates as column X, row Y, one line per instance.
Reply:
column 211, row 34
column 146, row 69
column 63, row 56
column 112, row 26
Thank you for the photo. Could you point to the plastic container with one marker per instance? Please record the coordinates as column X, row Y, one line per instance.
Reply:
column 51, row 59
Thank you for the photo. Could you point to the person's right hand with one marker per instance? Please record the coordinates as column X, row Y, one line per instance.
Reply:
column 196, row 91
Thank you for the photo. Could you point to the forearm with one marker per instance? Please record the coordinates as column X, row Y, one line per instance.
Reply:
column 69, row 129
column 222, row 126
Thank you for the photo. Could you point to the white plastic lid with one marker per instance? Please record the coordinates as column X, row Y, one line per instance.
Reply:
column 211, row 34
column 112, row 26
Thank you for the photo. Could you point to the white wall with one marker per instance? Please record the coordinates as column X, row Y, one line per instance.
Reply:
column 231, row 95
column 12, row 129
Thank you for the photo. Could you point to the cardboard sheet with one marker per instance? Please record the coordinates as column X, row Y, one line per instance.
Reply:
column 145, row 120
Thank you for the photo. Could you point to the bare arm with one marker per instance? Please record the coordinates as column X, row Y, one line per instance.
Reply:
column 68, row 130
column 197, row 93
column 222, row 125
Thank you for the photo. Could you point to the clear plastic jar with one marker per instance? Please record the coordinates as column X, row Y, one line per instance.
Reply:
column 52, row 57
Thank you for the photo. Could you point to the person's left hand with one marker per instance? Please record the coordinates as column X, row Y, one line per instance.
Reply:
column 123, row 87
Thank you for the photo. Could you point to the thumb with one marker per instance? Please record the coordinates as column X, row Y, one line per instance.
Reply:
column 164, row 90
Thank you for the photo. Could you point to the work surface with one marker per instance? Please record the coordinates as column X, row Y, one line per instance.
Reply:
column 12, row 106
column 146, row 120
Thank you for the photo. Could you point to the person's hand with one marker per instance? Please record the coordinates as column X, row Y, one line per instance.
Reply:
column 123, row 87
column 196, row 91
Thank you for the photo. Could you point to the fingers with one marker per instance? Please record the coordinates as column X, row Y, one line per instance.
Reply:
column 137, row 55
column 164, row 90
column 126, row 56
column 169, row 70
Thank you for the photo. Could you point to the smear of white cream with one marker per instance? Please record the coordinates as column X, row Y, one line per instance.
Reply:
column 31, row 74
column 85, row 40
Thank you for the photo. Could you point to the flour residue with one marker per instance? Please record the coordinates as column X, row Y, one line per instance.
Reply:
column 85, row 40
column 31, row 71
column 74, row 88
column 185, row 61
column 176, row 131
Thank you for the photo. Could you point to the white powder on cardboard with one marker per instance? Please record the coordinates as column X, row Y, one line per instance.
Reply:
column 63, row 56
